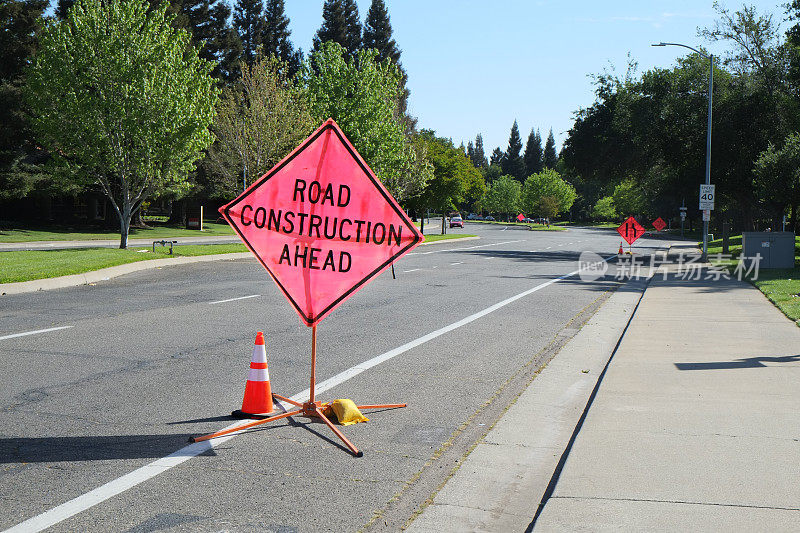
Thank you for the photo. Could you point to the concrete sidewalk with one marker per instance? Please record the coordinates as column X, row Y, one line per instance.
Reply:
column 695, row 427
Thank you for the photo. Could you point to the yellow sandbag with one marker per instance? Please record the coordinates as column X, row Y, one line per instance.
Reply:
column 345, row 412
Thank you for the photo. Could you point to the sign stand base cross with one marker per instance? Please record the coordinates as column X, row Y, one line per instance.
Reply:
column 311, row 409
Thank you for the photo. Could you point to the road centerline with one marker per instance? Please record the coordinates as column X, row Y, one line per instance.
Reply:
column 234, row 299
column 26, row 333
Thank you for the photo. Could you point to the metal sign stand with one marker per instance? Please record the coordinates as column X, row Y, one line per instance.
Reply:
column 311, row 409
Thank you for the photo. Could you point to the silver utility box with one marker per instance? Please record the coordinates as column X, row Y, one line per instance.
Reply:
column 776, row 248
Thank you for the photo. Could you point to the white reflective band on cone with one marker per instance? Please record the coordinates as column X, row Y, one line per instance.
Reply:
column 259, row 354
column 258, row 374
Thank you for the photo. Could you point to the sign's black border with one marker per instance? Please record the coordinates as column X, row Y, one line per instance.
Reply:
column 310, row 320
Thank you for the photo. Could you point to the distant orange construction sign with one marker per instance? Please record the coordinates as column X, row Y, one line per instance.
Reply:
column 630, row 230
column 659, row 224
column 321, row 223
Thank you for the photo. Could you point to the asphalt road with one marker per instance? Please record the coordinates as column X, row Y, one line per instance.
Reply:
column 149, row 359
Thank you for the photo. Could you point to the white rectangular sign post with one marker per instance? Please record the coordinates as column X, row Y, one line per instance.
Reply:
column 706, row 197
column 706, row 215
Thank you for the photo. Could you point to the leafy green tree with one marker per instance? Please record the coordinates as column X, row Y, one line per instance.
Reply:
column 603, row 209
column 629, row 199
column 122, row 101
column 275, row 35
column 260, row 119
column 478, row 155
column 512, row 162
column 548, row 207
column 361, row 95
column 777, row 178
column 503, row 196
column 533, row 154
column 547, row 183
column 455, row 179
column 20, row 22
column 550, row 158
column 248, row 20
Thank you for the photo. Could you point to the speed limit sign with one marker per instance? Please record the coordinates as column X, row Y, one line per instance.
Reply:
column 706, row 197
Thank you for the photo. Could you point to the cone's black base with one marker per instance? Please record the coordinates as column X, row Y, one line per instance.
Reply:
column 241, row 414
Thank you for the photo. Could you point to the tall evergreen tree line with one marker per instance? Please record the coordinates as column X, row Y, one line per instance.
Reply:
column 514, row 161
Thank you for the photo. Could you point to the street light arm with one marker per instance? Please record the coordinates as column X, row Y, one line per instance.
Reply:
column 683, row 45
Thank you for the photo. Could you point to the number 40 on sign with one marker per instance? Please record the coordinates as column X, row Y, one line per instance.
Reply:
column 706, row 197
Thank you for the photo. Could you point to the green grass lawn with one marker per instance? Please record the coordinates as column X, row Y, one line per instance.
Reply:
column 29, row 265
column 534, row 227
column 782, row 287
column 159, row 230
column 34, row 264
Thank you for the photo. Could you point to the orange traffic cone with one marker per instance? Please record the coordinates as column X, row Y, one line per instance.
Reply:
column 257, row 401
column 621, row 251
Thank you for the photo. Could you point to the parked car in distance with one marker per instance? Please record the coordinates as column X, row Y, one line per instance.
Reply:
column 473, row 216
column 456, row 222
column 527, row 220
column 490, row 218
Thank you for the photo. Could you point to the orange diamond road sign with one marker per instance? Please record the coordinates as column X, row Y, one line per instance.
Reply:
column 520, row 217
column 630, row 230
column 321, row 223
column 659, row 224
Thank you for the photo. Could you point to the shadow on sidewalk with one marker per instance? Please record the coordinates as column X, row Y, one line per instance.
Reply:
column 750, row 362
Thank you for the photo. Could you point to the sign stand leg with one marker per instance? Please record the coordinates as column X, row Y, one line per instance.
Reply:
column 312, row 408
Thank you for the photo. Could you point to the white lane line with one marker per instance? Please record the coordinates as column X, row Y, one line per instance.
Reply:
column 549, row 247
column 121, row 484
column 412, row 270
column 33, row 332
column 234, row 299
column 459, row 263
column 460, row 249
column 505, row 228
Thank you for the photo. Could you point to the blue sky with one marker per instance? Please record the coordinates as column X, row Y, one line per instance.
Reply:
column 475, row 66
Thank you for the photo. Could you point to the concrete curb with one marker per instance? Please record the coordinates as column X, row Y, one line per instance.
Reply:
column 105, row 274
column 500, row 483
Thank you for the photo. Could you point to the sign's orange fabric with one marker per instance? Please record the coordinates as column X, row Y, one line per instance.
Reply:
column 321, row 223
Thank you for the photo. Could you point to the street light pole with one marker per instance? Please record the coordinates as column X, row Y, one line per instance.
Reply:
column 710, row 57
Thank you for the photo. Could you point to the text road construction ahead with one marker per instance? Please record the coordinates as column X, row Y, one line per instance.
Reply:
column 331, row 228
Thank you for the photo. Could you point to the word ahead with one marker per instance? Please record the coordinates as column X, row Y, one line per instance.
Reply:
column 321, row 223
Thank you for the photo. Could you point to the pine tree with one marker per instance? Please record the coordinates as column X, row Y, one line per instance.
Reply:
column 20, row 21
column 275, row 36
column 353, row 24
column 512, row 163
column 248, row 21
column 470, row 151
column 533, row 154
column 479, row 158
column 62, row 8
column 550, row 156
column 498, row 156
column 340, row 24
column 378, row 32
